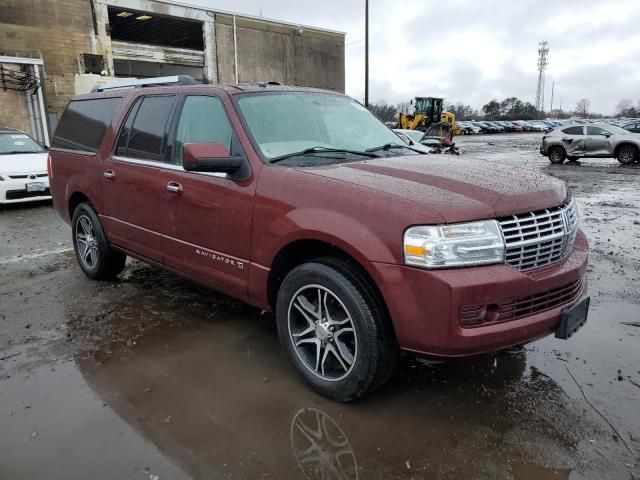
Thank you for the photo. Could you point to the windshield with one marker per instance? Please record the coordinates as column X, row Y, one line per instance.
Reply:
column 415, row 135
column 284, row 123
column 16, row 142
column 615, row 129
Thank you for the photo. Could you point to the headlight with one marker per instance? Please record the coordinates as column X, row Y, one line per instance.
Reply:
column 456, row 245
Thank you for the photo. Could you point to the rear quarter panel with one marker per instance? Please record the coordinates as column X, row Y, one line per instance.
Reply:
column 81, row 172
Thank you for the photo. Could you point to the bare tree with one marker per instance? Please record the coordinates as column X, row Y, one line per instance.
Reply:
column 625, row 108
column 582, row 107
column 622, row 106
column 383, row 111
column 404, row 107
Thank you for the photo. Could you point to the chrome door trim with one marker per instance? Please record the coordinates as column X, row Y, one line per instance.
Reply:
column 164, row 166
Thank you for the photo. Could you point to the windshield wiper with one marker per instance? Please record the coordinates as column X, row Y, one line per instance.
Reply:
column 16, row 152
column 389, row 146
column 315, row 150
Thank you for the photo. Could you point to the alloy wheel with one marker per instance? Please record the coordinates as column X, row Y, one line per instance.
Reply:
column 322, row 332
column 87, row 242
column 626, row 155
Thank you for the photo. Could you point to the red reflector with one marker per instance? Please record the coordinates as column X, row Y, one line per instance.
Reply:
column 49, row 172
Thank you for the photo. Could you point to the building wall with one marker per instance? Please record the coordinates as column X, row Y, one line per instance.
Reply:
column 267, row 50
column 59, row 29
column 275, row 52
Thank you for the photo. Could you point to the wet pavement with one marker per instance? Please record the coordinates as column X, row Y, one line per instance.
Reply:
column 154, row 377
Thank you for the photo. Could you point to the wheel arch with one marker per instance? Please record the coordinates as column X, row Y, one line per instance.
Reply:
column 75, row 199
column 301, row 251
column 625, row 144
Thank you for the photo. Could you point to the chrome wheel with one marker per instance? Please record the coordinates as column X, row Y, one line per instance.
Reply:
column 87, row 242
column 322, row 332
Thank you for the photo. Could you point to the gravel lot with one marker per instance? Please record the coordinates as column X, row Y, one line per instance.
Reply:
column 153, row 377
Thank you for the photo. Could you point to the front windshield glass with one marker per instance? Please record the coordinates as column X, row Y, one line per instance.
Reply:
column 15, row 143
column 615, row 129
column 284, row 123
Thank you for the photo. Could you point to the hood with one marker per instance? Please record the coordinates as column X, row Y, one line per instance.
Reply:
column 23, row 163
column 455, row 188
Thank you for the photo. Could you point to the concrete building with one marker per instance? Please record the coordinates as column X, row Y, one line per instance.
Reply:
column 81, row 42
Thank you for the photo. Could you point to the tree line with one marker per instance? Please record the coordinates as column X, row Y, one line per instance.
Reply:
column 511, row 108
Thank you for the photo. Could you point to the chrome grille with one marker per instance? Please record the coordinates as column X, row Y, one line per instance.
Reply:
column 536, row 239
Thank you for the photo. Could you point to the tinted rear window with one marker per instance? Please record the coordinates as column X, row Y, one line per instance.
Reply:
column 573, row 131
column 84, row 124
column 145, row 132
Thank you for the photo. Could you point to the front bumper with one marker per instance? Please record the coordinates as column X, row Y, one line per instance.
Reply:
column 426, row 306
column 14, row 190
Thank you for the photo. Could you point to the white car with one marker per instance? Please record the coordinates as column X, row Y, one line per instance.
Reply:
column 412, row 138
column 23, row 168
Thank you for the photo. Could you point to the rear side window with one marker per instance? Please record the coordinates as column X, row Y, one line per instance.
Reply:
column 145, row 132
column 84, row 124
column 573, row 131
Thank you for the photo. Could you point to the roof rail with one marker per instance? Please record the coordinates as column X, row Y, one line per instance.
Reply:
column 146, row 82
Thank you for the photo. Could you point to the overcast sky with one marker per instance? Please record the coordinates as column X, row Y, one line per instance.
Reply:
column 472, row 51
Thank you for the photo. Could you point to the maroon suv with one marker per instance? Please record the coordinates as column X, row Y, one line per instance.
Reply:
column 301, row 202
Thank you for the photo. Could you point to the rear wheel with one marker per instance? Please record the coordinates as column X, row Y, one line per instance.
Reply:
column 627, row 154
column 334, row 329
column 97, row 259
column 557, row 154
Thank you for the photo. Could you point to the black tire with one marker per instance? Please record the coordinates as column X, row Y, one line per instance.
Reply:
column 101, row 262
column 374, row 348
column 627, row 154
column 557, row 154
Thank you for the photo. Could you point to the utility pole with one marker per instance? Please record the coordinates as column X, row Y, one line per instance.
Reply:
column 543, row 51
column 553, row 87
column 366, row 53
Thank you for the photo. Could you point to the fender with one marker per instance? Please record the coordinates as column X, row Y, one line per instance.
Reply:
column 329, row 226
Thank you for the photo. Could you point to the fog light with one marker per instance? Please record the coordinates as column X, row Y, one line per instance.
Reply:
column 490, row 313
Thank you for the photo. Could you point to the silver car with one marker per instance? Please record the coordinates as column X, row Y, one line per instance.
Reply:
column 588, row 141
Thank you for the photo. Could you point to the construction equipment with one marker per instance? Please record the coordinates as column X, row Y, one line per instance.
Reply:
column 427, row 114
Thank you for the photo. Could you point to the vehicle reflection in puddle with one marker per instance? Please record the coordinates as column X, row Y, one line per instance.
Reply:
column 321, row 447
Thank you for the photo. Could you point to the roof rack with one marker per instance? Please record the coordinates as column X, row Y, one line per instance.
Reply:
column 146, row 82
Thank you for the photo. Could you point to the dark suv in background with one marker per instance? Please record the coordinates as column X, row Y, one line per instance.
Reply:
column 301, row 202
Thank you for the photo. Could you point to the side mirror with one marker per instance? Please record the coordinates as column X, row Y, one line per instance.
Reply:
column 606, row 134
column 209, row 157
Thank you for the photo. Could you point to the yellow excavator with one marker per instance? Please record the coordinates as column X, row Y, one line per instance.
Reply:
column 429, row 117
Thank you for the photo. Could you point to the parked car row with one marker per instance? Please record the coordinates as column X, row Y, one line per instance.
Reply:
column 505, row 126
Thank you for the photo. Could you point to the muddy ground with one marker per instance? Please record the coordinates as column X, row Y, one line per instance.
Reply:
column 153, row 377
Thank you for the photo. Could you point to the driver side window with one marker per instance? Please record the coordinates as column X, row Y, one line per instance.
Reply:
column 596, row 131
column 203, row 120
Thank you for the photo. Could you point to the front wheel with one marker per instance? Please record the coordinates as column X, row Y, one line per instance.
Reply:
column 627, row 154
column 557, row 155
column 335, row 330
column 96, row 257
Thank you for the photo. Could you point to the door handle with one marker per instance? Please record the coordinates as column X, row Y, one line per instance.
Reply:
column 174, row 187
column 109, row 174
